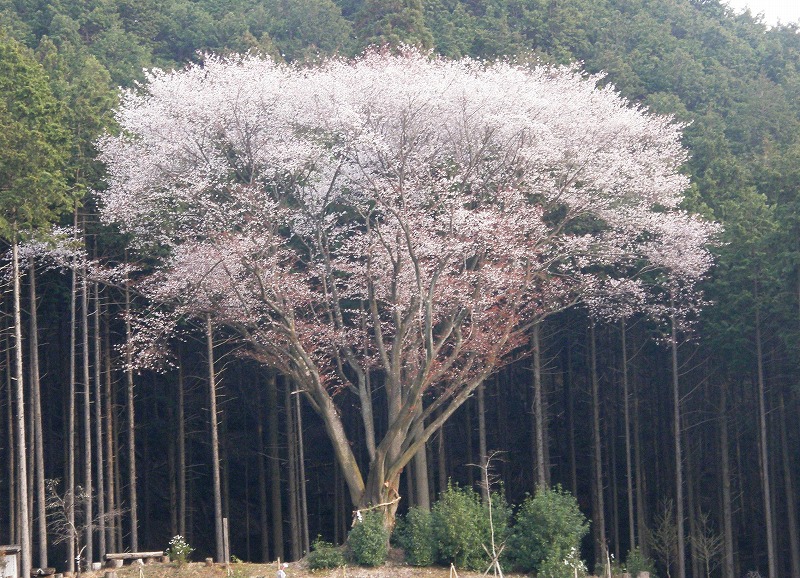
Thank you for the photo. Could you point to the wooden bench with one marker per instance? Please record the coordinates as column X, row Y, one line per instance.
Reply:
column 115, row 560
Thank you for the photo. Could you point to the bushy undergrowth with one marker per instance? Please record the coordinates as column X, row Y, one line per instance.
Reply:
column 414, row 534
column 637, row 562
column 460, row 524
column 547, row 533
column 324, row 555
column 369, row 540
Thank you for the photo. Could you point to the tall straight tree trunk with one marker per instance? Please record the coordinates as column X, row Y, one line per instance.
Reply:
column 275, row 467
column 22, row 458
column 484, row 454
column 627, row 417
column 72, row 412
column 110, row 441
column 725, row 473
column 539, row 421
column 788, row 486
column 98, row 427
column 641, row 519
column 133, row 496
column 38, row 437
column 13, row 506
column 181, row 449
column 763, row 449
column 291, row 443
column 262, row 483
column 301, row 460
column 212, row 393
column 87, row 423
column 676, row 425
column 600, row 543
column 569, row 408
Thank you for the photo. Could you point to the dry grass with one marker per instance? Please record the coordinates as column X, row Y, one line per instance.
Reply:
column 391, row 569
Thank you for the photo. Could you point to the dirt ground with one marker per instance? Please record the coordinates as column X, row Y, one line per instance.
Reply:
column 391, row 569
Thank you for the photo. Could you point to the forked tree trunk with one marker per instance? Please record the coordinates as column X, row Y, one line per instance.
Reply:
column 22, row 458
column 215, row 470
column 41, row 514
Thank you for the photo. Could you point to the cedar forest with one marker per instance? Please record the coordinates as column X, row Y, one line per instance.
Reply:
column 383, row 240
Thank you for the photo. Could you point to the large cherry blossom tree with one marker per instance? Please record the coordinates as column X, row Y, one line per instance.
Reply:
column 392, row 225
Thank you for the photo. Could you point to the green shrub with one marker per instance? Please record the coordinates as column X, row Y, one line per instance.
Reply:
column 179, row 550
column 414, row 534
column 549, row 528
column 324, row 555
column 369, row 540
column 637, row 562
column 459, row 528
column 567, row 566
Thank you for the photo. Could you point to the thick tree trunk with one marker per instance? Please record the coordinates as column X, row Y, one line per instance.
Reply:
column 22, row 458
column 38, row 437
column 676, row 425
column 598, row 514
column 133, row 496
column 215, row 470
column 275, row 467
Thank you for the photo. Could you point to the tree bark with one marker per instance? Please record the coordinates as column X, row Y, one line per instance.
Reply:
column 41, row 514
column 87, row 424
column 98, row 428
column 483, row 452
column 22, row 458
column 274, row 467
column 539, row 421
column 133, row 497
column 788, row 485
column 676, row 425
column 262, row 483
column 181, row 448
column 600, row 543
column 725, row 473
column 302, row 478
column 627, row 417
column 215, row 469
column 72, row 411
column 294, row 493
column 763, row 450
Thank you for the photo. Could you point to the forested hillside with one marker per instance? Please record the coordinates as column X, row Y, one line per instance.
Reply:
column 672, row 436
